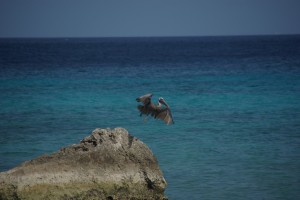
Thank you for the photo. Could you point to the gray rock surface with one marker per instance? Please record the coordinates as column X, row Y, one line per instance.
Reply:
column 108, row 164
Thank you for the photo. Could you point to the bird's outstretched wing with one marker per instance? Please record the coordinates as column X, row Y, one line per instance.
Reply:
column 163, row 114
column 145, row 99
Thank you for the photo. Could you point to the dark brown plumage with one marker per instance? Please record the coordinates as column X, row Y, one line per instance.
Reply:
column 156, row 111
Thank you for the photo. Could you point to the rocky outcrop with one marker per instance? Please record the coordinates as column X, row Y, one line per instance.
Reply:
column 108, row 164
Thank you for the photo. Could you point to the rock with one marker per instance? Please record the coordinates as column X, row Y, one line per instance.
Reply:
column 108, row 164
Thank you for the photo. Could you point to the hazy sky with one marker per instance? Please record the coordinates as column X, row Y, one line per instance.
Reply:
column 97, row 18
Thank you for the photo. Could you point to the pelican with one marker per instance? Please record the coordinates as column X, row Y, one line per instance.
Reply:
column 156, row 111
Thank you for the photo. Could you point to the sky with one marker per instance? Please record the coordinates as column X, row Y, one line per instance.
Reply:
column 131, row 18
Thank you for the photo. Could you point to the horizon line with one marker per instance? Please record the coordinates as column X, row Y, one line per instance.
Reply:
column 171, row 36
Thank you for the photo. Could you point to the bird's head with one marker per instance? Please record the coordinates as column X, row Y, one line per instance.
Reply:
column 161, row 100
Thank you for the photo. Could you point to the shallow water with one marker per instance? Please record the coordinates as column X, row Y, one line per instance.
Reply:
column 235, row 103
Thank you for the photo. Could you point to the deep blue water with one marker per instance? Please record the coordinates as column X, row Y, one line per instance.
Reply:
column 235, row 103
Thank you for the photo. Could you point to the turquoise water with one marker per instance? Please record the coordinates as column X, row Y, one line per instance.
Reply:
column 235, row 103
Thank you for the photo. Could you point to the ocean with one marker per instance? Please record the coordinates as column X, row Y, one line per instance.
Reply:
column 235, row 102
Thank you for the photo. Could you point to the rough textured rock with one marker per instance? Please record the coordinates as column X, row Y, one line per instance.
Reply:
column 108, row 164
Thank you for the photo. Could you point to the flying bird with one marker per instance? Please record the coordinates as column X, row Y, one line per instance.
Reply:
column 160, row 111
